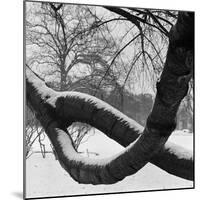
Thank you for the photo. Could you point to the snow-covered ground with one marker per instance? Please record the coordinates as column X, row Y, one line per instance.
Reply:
column 45, row 177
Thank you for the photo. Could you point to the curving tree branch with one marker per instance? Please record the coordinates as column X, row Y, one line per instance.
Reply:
column 58, row 110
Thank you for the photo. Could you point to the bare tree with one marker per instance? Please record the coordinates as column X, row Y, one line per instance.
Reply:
column 57, row 111
column 63, row 37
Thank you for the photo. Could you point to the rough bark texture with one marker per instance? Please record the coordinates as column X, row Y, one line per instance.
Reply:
column 56, row 111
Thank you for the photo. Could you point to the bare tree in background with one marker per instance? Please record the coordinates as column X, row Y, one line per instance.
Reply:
column 64, row 38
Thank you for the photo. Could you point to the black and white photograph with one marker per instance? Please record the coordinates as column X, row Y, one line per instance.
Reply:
column 108, row 99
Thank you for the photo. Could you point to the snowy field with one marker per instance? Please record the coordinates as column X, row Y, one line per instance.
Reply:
column 45, row 177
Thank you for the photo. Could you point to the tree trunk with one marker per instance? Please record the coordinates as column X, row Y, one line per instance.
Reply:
column 63, row 77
